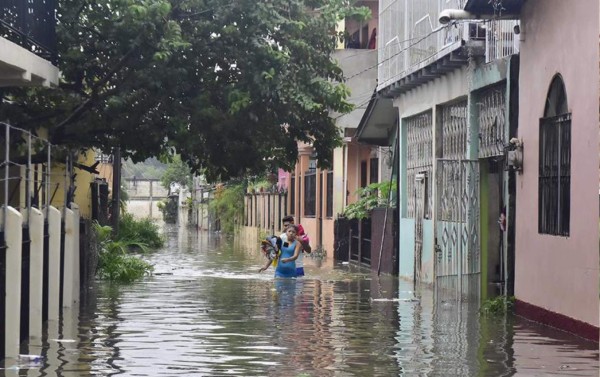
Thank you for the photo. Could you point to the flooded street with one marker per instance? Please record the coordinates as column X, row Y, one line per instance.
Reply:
column 208, row 312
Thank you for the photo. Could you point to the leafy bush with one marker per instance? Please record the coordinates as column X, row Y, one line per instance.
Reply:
column 114, row 262
column 228, row 206
column 140, row 231
column 370, row 197
column 497, row 305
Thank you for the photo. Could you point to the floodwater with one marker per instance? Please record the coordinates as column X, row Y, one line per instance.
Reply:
column 208, row 312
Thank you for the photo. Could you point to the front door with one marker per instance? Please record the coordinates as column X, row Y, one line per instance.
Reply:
column 458, row 270
column 421, row 201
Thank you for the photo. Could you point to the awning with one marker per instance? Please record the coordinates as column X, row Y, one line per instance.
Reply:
column 377, row 123
column 500, row 8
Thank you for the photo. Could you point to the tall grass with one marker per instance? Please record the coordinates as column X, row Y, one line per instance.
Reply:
column 115, row 263
column 140, row 231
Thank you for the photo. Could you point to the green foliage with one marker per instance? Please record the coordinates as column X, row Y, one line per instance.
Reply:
column 213, row 80
column 114, row 262
column 228, row 206
column 497, row 305
column 149, row 169
column 370, row 197
column 177, row 171
column 141, row 231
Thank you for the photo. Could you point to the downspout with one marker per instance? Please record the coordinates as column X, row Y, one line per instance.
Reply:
column 448, row 15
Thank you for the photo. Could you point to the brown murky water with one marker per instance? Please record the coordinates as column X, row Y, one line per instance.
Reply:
column 207, row 312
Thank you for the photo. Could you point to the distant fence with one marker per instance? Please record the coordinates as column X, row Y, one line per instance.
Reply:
column 265, row 210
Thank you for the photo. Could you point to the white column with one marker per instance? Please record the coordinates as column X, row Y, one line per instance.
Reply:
column 54, row 223
column 67, row 301
column 36, row 272
column 13, row 234
column 76, row 255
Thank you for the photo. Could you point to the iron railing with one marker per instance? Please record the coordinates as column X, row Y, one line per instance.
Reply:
column 31, row 24
column 411, row 36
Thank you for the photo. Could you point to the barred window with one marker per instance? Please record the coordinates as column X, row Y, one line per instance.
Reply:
column 554, row 183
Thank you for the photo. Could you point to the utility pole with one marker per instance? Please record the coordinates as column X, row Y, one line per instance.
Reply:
column 116, row 190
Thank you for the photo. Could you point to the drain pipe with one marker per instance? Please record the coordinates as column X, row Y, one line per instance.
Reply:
column 448, row 15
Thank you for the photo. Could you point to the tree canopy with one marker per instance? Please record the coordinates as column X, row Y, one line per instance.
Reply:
column 231, row 85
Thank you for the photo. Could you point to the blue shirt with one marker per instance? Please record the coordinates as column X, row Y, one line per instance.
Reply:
column 287, row 269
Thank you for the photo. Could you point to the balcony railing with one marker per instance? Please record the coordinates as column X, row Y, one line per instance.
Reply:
column 501, row 40
column 30, row 24
column 412, row 37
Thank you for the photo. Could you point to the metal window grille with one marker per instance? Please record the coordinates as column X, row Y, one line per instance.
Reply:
column 454, row 130
column 310, row 188
column 555, row 175
column 419, row 138
column 103, row 158
column 492, row 121
column 329, row 210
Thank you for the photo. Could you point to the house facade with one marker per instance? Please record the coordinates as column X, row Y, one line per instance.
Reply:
column 451, row 87
column 556, row 264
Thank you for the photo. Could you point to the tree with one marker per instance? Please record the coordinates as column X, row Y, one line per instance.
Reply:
column 177, row 172
column 231, row 85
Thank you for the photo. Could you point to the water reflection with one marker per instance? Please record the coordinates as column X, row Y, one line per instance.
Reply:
column 207, row 312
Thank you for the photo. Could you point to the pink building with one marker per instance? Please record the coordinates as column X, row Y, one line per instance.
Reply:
column 556, row 261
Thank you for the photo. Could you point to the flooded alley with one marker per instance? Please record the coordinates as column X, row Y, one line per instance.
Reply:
column 206, row 311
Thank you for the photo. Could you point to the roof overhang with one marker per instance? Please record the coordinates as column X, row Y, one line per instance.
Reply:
column 493, row 7
column 378, row 121
column 447, row 60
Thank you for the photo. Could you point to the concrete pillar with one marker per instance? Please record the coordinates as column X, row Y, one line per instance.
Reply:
column 68, row 258
column 76, row 253
column 36, row 272
column 13, row 234
column 54, row 225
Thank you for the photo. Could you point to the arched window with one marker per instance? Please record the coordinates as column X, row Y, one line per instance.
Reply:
column 555, row 162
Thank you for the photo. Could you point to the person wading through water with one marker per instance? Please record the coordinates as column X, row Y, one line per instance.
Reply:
column 285, row 266
column 302, row 237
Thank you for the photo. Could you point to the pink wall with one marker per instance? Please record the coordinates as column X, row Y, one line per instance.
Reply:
column 557, row 273
column 283, row 177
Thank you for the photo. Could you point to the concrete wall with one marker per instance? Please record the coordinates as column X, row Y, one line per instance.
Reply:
column 361, row 81
column 141, row 188
column 560, row 274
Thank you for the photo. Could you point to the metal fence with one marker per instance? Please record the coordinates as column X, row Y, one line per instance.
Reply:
column 31, row 24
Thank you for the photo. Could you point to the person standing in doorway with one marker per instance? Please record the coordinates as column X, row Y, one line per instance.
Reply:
column 302, row 237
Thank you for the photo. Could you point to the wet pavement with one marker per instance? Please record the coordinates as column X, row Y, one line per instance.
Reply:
column 208, row 312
